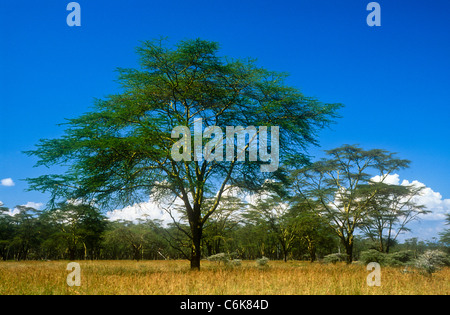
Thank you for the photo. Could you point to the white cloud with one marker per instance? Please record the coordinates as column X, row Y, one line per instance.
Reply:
column 13, row 212
column 7, row 182
column 158, row 210
column 391, row 179
column 35, row 205
column 143, row 210
column 432, row 200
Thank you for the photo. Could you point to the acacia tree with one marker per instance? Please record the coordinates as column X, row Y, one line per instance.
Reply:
column 341, row 189
column 78, row 228
column 391, row 209
column 127, row 148
column 217, row 231
column 272, row 211
column 445, row 235
column 26, row 231
column 311, row 229
column 6, row 231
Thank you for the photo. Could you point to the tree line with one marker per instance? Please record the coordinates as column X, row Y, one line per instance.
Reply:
column 78, row 231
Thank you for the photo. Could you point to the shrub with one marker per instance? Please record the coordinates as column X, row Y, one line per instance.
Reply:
column 404, row 256
column 225, row 258
column 400, row 258
column 235, row 263
column 263, row 261
column 220, row 257
column 334, row 258
column 372, row 255
column 432, row 260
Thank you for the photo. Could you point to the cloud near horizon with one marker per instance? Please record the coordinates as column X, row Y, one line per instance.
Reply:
column 30, row 204
column 143, row 210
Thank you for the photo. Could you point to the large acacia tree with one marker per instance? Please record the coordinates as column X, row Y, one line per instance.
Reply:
column 122, row 151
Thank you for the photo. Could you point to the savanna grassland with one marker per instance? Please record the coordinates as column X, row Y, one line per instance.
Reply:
column 176, row 278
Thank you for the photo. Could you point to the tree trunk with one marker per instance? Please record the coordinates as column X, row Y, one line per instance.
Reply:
column 311, row 250
column 312, row 255
column 209, row 248
column 72, row 252
column 136, row 252
column 388, row 242
column 85, row 250
column 196, row 246
column 349, row 251
column 285, row 251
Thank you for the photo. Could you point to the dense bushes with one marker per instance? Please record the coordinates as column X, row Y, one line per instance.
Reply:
column 429, row 262
column 334, row 258
column 227, row 260
column 392, row 259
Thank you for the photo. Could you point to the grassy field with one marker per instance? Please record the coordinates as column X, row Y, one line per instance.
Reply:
column 174, row 277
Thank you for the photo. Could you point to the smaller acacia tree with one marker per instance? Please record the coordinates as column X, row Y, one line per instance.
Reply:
column 445, row 235
column 26, row 231
column 78, row 228
column 390, row 210
column 340, row 188
column 272, row 211
column 6, row 231
column 311, row 229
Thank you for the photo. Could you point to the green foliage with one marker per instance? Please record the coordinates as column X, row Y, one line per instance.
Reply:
column 403, row 256
column 335, row 258
column 445, row 235
column 372, row 255
column 312, row 230
column 67, row 232
column 121, row 151
column 85, row 234
column 340, row 187
column 400, row 258
column 392, row 206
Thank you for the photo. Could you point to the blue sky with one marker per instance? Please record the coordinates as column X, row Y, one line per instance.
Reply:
column 393, row 80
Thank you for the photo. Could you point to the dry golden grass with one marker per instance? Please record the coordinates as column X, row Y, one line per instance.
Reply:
column 174, row 277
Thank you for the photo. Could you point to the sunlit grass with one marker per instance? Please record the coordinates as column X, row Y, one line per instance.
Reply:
column 174, row 277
